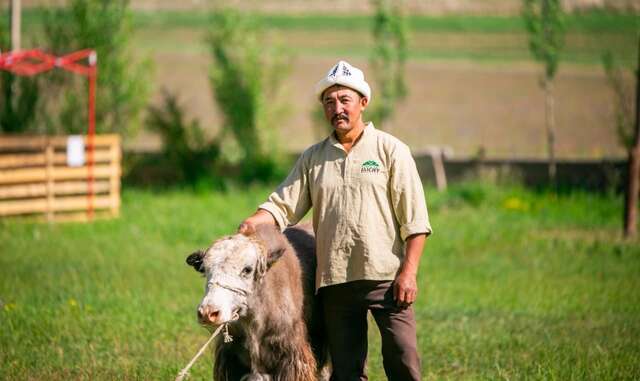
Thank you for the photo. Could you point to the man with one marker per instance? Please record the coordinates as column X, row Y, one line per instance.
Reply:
column 371, row 222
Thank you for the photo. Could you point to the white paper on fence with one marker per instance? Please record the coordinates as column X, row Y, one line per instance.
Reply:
column 75, row 151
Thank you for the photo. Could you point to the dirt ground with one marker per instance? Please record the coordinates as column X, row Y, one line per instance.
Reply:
column 464, row 105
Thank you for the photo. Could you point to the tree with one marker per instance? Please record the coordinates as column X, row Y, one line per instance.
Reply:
column 544, row 21
column 19, row 96
column 628, row 134
column 388, row 58
column 623, row 100
column 246, row 79
column 123, row 86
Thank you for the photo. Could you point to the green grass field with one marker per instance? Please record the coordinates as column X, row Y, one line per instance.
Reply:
column 515, row 285
column 481, row 38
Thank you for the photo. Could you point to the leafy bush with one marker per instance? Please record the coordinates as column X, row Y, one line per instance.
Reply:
column 388, row 58
column 623, row 96
column 184, row 142
column 123, row 86
column 246, row 80
column 19, row 96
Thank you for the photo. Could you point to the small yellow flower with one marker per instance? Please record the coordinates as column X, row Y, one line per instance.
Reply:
column 72, row 302
column 514, row 203
column 9, row 307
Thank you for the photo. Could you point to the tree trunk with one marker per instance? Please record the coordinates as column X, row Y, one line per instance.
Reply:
column 633, row 187
column 550, row 122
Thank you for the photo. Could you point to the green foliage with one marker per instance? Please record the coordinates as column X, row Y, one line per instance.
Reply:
column 388, row 59
column 19, row 96
column 591, row 21
column 184, row 143
column 544, row 21
column 547, row 292
column 246, row 79
column 623, row 93
column 123, row 86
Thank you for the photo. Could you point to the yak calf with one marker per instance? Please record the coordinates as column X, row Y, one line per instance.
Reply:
column 262, row 286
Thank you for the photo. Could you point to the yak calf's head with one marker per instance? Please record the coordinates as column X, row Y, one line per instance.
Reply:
column 233, row 267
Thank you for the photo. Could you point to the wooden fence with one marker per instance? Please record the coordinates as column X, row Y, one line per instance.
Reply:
column 36, row 177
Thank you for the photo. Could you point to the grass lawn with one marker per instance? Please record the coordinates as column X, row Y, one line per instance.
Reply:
column 478, row 38
column 514, row 285
column 487, row 39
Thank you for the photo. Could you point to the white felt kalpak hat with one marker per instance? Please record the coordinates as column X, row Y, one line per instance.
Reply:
column 346, row 75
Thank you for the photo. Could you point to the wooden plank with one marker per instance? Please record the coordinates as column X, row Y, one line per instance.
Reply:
column 13, row 142
column 61, row 217
column 22, row 160
column 80, row 187
column 59, row 189
column 39, row 205
column 34, row 159
column 99, row 156
column 22, row 175
column 60, row 173
column 23, row 191
column 22, row 142
column 36, row 205
column 98, row 140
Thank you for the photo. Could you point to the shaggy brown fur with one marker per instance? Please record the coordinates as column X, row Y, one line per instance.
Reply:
column 278, row 336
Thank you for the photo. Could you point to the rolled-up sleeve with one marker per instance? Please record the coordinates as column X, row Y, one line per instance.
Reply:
column 291, row 200
column 407, row 195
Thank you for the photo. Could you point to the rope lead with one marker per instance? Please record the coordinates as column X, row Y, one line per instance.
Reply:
column 183, row 373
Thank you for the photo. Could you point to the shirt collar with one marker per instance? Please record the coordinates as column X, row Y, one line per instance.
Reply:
column 368, row 130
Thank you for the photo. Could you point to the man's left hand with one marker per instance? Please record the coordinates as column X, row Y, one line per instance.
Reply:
column 405, row 289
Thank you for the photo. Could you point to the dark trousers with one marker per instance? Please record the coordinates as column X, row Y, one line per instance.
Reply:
column 345, row 314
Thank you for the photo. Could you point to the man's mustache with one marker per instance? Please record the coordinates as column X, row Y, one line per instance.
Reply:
column 337, row 117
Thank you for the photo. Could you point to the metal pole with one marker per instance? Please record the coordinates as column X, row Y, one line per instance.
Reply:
column 15, row 25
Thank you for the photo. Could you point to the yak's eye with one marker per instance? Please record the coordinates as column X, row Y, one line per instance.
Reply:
column 247, row 270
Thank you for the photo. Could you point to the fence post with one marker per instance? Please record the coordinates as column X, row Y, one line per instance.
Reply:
column 114, row 179
column 49, row 179
column 437, row 160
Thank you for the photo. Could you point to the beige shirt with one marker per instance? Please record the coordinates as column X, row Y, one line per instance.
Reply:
column 365, row 205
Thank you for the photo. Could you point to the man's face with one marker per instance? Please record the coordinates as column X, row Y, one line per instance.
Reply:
column 343, row 107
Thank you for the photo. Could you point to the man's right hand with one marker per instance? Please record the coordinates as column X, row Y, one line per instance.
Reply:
column 246, row 227
column 261, row 216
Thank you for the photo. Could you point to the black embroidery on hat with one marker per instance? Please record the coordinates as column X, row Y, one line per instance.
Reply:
column 345, row 71
column 333, row 72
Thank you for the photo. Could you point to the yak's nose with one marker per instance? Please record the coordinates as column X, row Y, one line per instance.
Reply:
column 208, row 315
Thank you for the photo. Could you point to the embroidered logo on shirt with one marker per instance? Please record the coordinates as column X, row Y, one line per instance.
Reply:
column 370, row 166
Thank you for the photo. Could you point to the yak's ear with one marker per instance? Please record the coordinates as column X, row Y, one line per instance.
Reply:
column 265, row 262
column 274, row 255
column 273, row 241
column 195, row 260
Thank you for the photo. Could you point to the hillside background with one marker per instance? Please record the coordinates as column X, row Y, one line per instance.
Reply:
column 431, row 7
column 473, row 85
